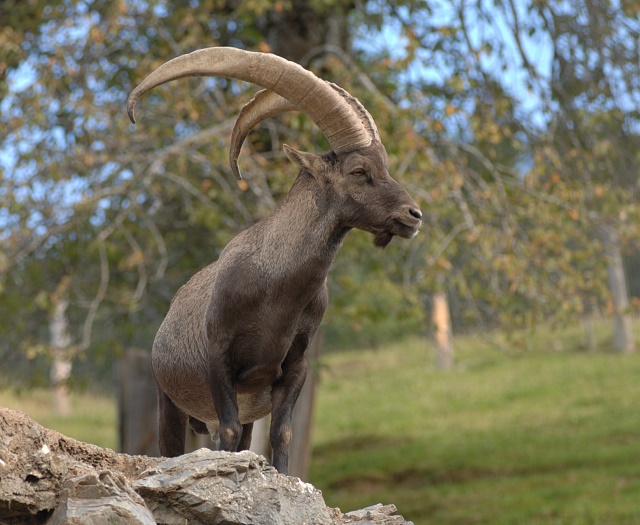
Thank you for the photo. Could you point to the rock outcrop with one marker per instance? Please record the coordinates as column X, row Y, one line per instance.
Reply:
column 48, row 478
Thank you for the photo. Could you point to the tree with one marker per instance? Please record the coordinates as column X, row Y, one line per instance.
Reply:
column 511, row 153
column 73, row 168
column 529, row 142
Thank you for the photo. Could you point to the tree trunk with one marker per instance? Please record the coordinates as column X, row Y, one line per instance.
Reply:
column 623, row 340
column 590, row 316
column 592, row 345
column 300, row 449
column 60, row 344
column 292, row 33
column 442, row 324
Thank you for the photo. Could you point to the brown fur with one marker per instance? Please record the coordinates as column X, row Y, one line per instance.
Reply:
column 232, row 346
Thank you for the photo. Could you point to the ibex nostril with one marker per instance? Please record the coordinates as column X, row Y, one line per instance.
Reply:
column 416, row 213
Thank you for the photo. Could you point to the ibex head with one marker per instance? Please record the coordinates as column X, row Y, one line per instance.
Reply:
column 354, row 174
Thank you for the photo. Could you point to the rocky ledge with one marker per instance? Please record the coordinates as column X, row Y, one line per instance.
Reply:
column 48, row 478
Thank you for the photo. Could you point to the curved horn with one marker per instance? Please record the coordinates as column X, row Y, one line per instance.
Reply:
column 268, row 104
column 263, row 105
column 335, row 117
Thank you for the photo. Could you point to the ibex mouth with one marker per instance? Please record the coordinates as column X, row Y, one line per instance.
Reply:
column 406, row 229
column 397, row 227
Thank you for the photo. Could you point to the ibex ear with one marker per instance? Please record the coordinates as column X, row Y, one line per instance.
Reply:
column 308, row 161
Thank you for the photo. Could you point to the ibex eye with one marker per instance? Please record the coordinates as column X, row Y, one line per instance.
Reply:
column 358, row 173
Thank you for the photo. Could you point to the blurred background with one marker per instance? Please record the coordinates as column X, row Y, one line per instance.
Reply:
column 483, row 372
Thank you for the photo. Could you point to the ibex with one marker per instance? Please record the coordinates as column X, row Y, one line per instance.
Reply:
column 232, row 347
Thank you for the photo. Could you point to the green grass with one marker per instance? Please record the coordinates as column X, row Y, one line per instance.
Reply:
column 92, row 418
column 533, row 436
column 527, row 430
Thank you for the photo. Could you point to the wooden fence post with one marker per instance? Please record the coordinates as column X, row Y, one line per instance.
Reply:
column 442, row 323
column 137, row 404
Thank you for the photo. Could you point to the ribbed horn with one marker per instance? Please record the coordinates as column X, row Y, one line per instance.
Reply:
column 344, row 128
column 263, row 105
column 268, row 104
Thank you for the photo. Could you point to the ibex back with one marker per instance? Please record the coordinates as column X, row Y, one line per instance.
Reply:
column 232, row 347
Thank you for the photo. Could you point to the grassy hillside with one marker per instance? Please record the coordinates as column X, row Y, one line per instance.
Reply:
column 93, row 417
column 543, row 435
column 529, row 431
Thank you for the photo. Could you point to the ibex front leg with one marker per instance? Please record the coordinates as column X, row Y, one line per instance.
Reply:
column 225, row 401
column 284, row 395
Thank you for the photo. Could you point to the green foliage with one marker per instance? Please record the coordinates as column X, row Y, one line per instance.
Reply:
column 517, row 182
column 530, row 429
column 515, row 161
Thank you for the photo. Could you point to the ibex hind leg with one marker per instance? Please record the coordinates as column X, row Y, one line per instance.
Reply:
column 245, row 440
column 172, row 426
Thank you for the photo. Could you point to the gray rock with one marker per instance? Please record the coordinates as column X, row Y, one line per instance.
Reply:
column 49, row 479
column 209, row 487
column 376, row 514
column 35, row 462
column 102, row 499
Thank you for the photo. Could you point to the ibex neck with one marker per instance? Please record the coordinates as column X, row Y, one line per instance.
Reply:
column 304, row 233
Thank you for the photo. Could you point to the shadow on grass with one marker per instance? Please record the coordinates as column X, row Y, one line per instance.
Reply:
column 416, row 478
column 377, row 463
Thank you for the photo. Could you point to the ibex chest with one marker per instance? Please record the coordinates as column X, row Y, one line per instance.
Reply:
column 262, row 333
